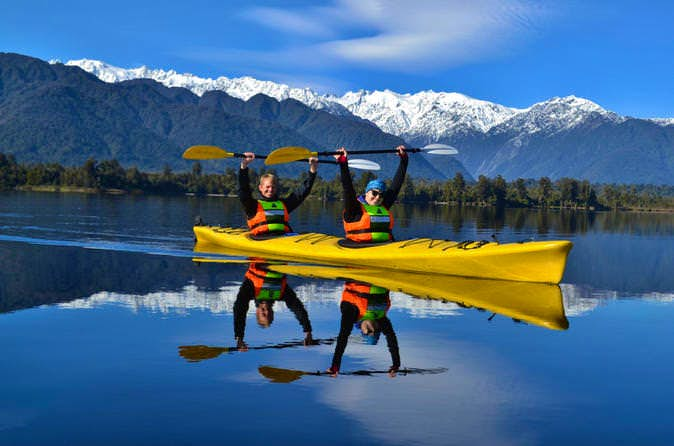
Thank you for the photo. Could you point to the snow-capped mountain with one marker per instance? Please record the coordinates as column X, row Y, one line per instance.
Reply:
column 426, row 116
column 555, row 115
column 560, row 137
column 422, row 117
column 242, row 87
column 419, row 118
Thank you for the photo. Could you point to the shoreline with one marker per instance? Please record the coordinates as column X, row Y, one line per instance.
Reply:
column 94, row 191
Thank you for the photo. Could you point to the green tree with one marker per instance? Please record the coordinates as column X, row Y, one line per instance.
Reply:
column 499, row 191
column 544, row 191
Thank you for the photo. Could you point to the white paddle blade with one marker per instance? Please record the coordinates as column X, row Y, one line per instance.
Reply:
column 449, row 150
column 364, row 164
column 443, row 152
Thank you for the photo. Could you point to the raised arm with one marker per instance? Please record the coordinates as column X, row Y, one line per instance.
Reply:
column 245, row 193
column 352, row 208
column 398, row 180
column 297, row 196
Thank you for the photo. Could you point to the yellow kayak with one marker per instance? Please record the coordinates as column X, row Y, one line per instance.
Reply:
column 542, row 261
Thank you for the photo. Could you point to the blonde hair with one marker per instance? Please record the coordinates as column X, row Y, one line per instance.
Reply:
column 271, row 176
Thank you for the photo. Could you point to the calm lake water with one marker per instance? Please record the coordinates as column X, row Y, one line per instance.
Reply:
column 110, row 334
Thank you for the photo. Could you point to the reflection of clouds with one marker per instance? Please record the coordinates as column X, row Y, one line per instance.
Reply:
column 222, row 301
column 423, row 308
column 468, row 404
column 578, row 300
column 192, row 298
column 178, row 302
column 581, row 299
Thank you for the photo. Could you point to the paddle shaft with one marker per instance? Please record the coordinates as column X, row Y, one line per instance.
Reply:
column 241, row 155
column 365, row 152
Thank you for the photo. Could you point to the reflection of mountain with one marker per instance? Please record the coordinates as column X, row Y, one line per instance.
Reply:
column 627, row 264
column 580, row 300
column 32, row 275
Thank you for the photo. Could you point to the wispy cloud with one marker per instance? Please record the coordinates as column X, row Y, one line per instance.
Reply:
column 305, row 23
column 395, row 34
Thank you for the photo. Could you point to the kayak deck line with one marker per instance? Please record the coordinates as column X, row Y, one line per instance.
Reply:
column 530, row 261
column 313, row 238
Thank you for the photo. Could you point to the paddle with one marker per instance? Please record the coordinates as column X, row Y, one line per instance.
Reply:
column 213, row 152
column 278, row 375
column 196, row 353
column 294, row 153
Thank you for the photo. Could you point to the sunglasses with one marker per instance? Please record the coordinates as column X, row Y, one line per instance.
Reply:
column 375, row 193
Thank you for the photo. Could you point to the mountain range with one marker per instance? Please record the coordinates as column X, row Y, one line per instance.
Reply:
column 561, row 137
column 58, row 113
column 69, row 112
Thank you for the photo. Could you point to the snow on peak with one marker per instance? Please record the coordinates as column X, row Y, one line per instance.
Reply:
column 425, row 116
column 420, row 118
column 242, row 87
column 557, row 114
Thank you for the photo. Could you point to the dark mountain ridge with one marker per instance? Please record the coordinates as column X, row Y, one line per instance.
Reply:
column 58, row 113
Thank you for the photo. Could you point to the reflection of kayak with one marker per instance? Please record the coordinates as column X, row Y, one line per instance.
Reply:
column 535, row 303
column 542, row 261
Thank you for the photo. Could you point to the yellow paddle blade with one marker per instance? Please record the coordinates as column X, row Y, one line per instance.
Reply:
column 288, row 155
column 195, row 353
column 206, row 153
column 277, row 375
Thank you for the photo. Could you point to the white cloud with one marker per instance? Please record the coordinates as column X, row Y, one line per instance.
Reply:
column 395, row 34
column 287, row 21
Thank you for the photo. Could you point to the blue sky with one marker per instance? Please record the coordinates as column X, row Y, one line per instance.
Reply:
column 514, row 52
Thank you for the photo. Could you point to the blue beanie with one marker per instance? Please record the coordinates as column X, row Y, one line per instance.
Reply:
column 376, row 184
column 369, row 339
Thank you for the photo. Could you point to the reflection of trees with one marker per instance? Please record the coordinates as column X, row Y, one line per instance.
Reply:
column 542, row 224
column 32, row 275
column 540, row 221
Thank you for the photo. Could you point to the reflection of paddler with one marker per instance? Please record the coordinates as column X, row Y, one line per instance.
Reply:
column 365, row 306
column 265, row 287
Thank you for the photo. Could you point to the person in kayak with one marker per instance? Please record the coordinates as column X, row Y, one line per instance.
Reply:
column 365, row 306
column 367, row 218
column 270, row 214
column 265, row 288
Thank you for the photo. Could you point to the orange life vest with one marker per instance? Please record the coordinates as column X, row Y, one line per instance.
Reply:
column 268, row 285
column 373, row 302
column 375, row 225
column 271, row 218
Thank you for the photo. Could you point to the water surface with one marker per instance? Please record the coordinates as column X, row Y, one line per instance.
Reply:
column 98, row 295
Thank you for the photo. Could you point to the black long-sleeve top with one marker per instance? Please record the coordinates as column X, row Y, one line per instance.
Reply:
column 292, row 201
column 352, row 209
column 247, row 293
column 350, row 317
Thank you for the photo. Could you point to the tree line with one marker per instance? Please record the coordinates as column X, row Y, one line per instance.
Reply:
column 525, row 193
